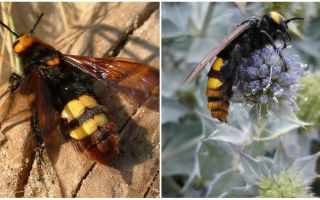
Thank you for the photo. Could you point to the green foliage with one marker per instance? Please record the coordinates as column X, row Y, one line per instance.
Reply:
column 203, row 157
column 310, row 99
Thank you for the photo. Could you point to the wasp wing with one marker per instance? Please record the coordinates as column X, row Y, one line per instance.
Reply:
column 136, row 80
column 215, row 51
column 47, row 116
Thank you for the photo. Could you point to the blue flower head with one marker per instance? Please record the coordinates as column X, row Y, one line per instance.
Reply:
column 267, row 79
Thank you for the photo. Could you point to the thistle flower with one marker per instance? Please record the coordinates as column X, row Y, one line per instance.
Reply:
column 310, row 97
column 266, row 81
column 282, row 185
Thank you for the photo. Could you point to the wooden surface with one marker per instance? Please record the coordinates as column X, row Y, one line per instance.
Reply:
column 126, row 30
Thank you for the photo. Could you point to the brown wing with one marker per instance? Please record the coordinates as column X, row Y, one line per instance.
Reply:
column 135, row 79
column 215, row 51
column 47, row 116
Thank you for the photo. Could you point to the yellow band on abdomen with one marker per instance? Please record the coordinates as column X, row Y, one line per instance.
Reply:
column 217, row 64
column 214, row 83
column 88, row 127
column 75, row 108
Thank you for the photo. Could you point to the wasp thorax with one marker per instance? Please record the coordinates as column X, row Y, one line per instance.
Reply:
column 23, row 43
column 276, row 17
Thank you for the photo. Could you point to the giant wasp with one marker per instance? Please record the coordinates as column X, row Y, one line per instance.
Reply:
column 65, row 100
column 251, row 35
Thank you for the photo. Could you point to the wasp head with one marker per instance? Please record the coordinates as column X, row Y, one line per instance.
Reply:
column 280, row 24
column 23, row 42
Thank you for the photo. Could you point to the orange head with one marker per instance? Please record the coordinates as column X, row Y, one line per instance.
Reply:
column 23, row 42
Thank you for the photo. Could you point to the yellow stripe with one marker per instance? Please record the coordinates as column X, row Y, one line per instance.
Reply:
column 75, row 108
column 217, row 64
column 72, row 110
column 276, row 17
column 214, row 83
column 88, row 101
column 88, row 127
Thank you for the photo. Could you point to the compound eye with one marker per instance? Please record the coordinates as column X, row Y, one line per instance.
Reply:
column 276, row 17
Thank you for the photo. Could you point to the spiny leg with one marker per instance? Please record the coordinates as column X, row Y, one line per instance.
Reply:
column 283, row 37
column 235, row 61
column 15, row 81
column 272, row 42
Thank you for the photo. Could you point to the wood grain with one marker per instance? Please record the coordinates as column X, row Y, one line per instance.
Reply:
column 117, row 32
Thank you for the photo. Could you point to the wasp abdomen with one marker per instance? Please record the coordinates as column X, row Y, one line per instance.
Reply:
column 87, row 123
column 218, row 100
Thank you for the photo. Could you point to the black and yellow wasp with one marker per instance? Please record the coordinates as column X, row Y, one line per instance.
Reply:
column 65, row 101
column 251, row 35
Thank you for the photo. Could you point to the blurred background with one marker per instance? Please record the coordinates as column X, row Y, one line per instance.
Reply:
column 196, row 162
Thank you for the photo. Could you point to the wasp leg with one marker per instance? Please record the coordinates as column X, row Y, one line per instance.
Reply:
column 39, row 155
column 275, row 48
column 15, row 81
column 231, row 70
column 39, row 145
column 269, row 38
column 234, row 61
column 283, row 37
column 235, row 58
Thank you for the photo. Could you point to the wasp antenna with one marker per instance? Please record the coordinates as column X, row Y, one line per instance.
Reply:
column 294, row 18
column 7, row 27
column 36, row 24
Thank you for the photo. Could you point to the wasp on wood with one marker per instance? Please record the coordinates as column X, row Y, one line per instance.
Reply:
column 65, row 100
